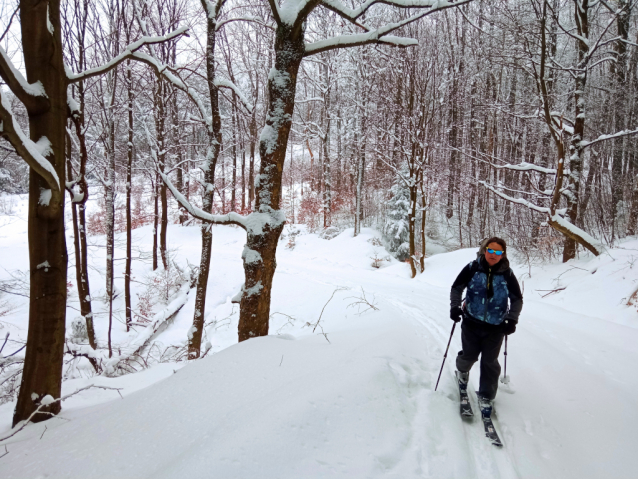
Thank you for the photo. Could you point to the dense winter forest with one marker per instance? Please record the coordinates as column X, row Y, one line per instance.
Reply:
column 428, row 120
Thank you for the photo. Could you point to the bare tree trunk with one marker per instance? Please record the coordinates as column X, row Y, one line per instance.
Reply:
column 423, row 223
column 155, row 219
column 79, row 235
column 327, row 176
column 109, row 202
column 412, row 224
column 214, row 137
column 233, row 194
column 632, row 222
column 243, row 177
column 43, row 62
column 253, row 139
column 619, row 67
column 327, row 179
column 129, row 179
column 261, row 245
column 361, row 164
column 160, row 122
column 576, row 148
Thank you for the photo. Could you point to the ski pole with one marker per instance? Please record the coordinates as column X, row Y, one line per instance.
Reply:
column 445, row 355
column 505, row 361
column 505, row 379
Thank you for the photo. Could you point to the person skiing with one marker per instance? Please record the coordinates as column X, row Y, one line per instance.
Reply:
column 487, row 317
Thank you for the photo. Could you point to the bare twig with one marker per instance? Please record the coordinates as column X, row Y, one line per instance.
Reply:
column 6, row 338
column 290, row 321
column 60, row 399
column 362, row 301
column 551, row 291
column 340, row 288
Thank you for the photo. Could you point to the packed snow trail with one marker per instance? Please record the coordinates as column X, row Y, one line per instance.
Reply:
column 360, row 401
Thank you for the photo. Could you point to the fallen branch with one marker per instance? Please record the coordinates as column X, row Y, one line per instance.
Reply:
column 551, row 291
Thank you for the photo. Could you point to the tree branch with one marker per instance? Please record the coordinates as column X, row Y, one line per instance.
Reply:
column 557, row 222
column 32, row 95
column 128, row 53
column 380, row 35
column 31, row 152
column 227, row 219
column 620, row 134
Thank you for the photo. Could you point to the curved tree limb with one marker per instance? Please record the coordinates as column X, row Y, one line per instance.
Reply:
column 128, row 53
column 32, row 95
column 33, row 153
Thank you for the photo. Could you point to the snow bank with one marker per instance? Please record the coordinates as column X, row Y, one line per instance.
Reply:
column 359, row 401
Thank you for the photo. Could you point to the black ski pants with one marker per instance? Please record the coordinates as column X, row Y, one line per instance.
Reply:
column 488, row 345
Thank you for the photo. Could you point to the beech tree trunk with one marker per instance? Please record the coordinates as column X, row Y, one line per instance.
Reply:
column 43, row 62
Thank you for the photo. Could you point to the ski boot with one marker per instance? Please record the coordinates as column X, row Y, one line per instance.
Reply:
column 485, row 405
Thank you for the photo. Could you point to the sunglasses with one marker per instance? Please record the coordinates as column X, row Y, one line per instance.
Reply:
column 496, row 252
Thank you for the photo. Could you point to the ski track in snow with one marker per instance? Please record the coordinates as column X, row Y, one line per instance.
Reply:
column 362, row 405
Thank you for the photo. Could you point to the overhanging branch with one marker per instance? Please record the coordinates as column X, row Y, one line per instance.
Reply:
column 128, row 53
column 227, row 219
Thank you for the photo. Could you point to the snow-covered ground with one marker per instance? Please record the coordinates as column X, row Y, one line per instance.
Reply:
column 359, row 400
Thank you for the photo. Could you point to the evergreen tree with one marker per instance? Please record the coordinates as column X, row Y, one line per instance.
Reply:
column 396, row 229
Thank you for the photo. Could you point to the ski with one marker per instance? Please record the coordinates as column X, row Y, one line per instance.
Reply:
column 490, row 431
column 486, row 413
column 466, row 407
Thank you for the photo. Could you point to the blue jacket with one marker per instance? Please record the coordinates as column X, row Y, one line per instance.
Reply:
column 493, row 294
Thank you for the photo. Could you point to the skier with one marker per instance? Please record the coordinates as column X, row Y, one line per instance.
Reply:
column 490, row 283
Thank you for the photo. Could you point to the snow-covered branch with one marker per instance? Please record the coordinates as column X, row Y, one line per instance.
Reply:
column 163, row 69
column 346, row 41
column 380, row 35
column 519, row 201
column 619, row 134
column 32, row 95
column 220, row 83
column 129, row 52
column 34, row 153
column 258, row 21
column 556, row 221
column 227, row 219
column 355, row 13
column 524, row 166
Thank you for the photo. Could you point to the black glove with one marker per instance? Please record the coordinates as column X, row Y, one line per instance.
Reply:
column 456, row 314
column 509, row 327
